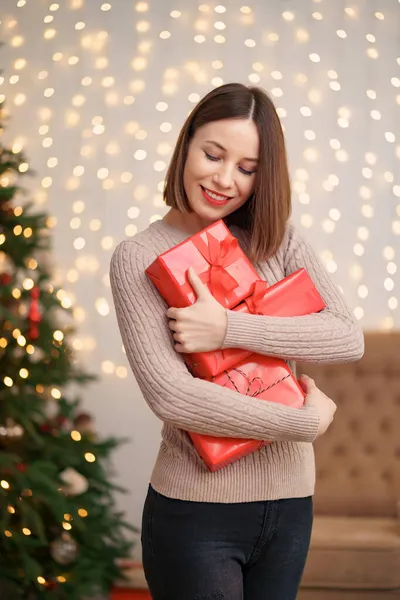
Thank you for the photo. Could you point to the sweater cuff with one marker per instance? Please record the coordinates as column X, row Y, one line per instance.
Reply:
column 309, row 429
column 238, row 333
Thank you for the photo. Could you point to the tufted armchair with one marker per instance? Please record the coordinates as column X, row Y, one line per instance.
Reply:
column 355, row 548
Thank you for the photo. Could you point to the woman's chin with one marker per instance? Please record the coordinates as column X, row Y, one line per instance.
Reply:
column 206, row 212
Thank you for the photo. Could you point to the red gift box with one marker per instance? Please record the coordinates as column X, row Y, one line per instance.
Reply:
column 215, row 255
column 262, row 377
column 294, row 296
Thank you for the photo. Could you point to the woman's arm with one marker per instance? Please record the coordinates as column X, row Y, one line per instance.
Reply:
column 333, row 335
column 172, row 393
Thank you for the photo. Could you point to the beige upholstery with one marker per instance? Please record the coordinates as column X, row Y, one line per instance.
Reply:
column 355, row 548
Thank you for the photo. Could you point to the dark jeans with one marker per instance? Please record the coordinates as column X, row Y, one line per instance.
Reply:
column 210, row 551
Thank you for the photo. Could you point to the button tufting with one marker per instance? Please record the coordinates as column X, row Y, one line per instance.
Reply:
column 355, row 472
column 340, row 450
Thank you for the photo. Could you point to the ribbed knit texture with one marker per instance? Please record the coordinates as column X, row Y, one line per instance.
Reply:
column 285, row 468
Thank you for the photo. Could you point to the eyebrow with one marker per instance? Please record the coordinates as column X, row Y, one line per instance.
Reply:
column 224, row 149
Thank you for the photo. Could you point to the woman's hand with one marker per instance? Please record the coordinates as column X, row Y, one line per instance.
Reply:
column 324, row 405
column 202, row 326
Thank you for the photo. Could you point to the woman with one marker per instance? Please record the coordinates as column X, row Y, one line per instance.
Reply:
column 243, row 531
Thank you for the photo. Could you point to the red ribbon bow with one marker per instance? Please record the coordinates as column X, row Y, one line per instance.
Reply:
column 254, row 302
column 219, row 255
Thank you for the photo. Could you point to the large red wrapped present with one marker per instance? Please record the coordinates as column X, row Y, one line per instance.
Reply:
column 293, row 296
column 262, row 377
column 216, row 257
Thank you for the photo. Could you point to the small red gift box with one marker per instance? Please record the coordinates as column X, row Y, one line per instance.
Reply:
column 215, row 255
column 294, row 296
column 262, row 377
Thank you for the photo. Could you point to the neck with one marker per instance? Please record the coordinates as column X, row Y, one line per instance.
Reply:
column 186, row 222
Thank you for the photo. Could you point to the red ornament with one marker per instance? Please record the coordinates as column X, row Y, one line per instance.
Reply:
column 5, row 279
column 51, row 585
column 45, row 427
column 21, row 467
column 34, row 315
column 56, row 425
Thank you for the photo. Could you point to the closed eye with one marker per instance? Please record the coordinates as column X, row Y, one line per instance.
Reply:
column 245, row 172
column 216, row 158
column 211, row 157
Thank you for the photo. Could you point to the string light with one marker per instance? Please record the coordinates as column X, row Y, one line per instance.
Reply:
column 150, row 140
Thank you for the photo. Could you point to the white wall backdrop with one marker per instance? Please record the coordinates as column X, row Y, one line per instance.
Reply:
column 96, row 94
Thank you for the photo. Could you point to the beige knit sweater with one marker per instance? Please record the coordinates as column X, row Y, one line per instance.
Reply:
column 283, row 469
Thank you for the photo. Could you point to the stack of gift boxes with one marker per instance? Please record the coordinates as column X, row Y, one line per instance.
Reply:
column 215, row 255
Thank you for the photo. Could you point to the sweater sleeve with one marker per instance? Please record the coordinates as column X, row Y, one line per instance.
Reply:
column 331, row 336
column 172, row 393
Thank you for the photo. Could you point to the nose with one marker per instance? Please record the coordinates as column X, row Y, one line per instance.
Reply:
column 223, row 177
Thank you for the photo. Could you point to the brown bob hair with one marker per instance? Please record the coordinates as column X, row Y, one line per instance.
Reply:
column 267, row 211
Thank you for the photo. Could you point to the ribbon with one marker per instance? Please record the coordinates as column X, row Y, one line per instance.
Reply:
column 255, row 301
column 219, row 254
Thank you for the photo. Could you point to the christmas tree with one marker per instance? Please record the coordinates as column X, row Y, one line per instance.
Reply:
column 60, row 533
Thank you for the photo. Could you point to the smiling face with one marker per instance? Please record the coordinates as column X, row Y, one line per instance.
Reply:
column 220, row 169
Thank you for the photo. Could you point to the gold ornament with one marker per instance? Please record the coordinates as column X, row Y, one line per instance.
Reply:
column 75, row 483
column 64, row 550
